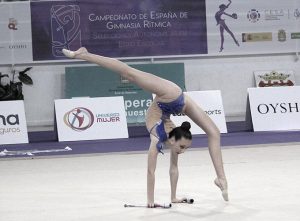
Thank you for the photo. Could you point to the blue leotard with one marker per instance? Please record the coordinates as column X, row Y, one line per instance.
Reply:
column 174, row 107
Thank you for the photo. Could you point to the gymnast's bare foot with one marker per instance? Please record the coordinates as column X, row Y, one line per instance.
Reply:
column 74, row 54
column 222, row 184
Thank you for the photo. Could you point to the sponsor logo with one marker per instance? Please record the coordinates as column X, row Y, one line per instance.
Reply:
column 6, row 123
column 137, row 103
column 12, row 24
column 274, row 14
column 274, row 79
column 65, row 28
column 12, row 119
column 17, row 46
column 208, row 112
column 79, row 118
column 278, row 108
column 253, row 15
column 297, row 13
column 295, row 35
column 108, row 117
column 256, row 37
column 281, row 35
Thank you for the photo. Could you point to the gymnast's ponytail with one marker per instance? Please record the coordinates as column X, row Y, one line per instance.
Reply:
column 182, row 131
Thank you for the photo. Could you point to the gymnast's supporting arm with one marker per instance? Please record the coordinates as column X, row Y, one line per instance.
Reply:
column 173, row 175
column 152, row 160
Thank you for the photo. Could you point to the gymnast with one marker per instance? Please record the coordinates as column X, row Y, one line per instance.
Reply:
column 163, row 133
column 220, row 21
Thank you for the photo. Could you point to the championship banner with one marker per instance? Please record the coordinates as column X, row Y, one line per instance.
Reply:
column 211, row 103
column 118, row 28
column 15, row 34
column 252, row 27
column 13, row 127
column 275, row 78
column 38, row 30
column 275, row 108
column 95, row 81
column 90, row 118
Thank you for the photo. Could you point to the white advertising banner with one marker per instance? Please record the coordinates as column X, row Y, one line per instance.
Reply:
column 13, row 127
column 91, row 118
column 275, row 108
column 252, row 27
column 211, row 103
column 15, row 34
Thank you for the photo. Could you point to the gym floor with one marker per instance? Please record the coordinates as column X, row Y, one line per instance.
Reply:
column 263, row 182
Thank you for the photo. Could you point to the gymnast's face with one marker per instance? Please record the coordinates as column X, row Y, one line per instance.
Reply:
column 179, row 146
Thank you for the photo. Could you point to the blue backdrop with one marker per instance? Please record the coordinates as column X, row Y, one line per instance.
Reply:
column 119, row 28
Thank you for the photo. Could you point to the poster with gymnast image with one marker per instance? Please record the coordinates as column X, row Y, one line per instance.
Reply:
column 252, row 27
column 118, row 28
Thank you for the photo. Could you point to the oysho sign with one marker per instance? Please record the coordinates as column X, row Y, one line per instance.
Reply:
column 91, row 118
column 13, row 128
column 275, row 108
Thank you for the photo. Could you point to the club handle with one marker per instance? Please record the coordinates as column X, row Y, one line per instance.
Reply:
column 164, row 206
column 189, row 201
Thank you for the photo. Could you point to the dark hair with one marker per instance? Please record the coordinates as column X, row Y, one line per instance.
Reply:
column 222, row 6
column 182, row 131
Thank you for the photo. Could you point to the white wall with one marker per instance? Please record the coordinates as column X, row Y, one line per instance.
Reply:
column 231, row 75
column 48, row 85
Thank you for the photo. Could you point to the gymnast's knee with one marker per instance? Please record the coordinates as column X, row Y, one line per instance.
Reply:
column 151, row 171
column 214, row 134
column 127, row 73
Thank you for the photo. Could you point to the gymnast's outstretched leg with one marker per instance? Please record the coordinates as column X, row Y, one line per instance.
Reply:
column 193, row 111
column 165, row 90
